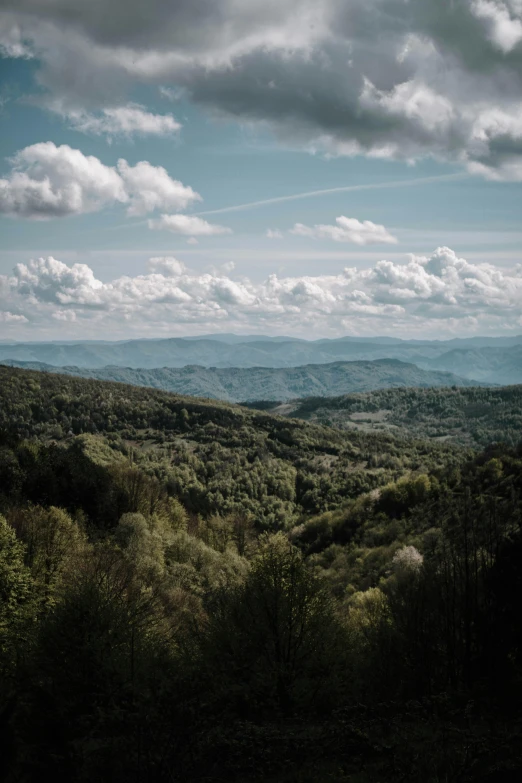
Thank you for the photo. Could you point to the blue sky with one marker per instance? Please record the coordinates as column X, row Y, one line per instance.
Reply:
column 234, row 148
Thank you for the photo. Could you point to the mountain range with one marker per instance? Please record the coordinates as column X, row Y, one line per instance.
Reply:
column 261, row 383
column 489, row 360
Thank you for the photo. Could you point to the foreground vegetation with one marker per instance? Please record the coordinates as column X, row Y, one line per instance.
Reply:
column 364, row 632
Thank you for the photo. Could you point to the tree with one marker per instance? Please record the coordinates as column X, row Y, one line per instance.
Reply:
column 98, row 669
column 52, row 541
column 275, row 639
column 16, row 593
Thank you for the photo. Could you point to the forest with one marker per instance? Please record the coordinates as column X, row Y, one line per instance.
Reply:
column 196, row 591
column 472, row 417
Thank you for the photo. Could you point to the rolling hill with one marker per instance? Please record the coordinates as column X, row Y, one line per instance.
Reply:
column 469, row 416
column 261, row 383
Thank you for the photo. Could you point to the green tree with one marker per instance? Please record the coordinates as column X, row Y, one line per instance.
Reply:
column 53, row 541
column 16, row 593
column 275, row 640
column 98, row 668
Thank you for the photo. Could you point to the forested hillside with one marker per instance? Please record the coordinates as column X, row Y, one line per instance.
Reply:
column 214, row 457
column 194, row 591
column 260, row 383
column 472, row 417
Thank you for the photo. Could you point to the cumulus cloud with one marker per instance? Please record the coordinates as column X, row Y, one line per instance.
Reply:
column 384, row 78
column 347, row 230
column 188, row 225
column 47, row 181
column 503, row 19
column 150, row 188
column 130, row 120
column 12, row 318
column 273, row 234
column 436, row 294
column 64, row 315
column 166, row 265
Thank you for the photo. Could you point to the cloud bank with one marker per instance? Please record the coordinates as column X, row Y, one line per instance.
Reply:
column 436, row 295
column 383, row 78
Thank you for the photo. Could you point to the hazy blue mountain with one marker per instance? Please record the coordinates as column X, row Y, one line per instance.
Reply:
column 480, row 356
column 496, row 365
column 261, row 383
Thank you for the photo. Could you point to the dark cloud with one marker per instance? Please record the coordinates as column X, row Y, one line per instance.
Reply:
column 389, row 78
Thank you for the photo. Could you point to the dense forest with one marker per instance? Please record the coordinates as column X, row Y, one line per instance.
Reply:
column 471, row 417
column 214, row 457
column 192, row 591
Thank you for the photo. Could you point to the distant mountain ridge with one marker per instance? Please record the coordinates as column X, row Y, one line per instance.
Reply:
column 490, row 360
column 261, row 383
column 490, row 365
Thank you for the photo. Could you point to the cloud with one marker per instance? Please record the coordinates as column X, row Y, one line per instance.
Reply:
column 64, row 315
column 12, row 318
column 439, row 293
column 504, row 26
column 47, row 181
column 151, row 188
column 187, row 224
column 383, row 78
column 11, row 40
column 347, row 230
column 166, row 265
column 173, row 94
column 273, row 234
column 127, row 120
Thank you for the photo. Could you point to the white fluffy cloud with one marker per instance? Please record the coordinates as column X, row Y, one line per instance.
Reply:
column 150, row 188
column 12, row 318
column 129, row 120
column 385, row 78
column 348, row 230
column 47, row 181
column 503, row 20
column 436, row 294
column 190, row 225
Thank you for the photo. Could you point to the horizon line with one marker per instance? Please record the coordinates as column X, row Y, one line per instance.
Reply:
column 207, row 335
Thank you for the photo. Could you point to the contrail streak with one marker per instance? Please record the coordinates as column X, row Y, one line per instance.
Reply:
column 404, row 183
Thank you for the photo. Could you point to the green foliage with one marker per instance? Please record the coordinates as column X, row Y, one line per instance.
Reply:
column 53, row 544
column 152, row 630
column 275, row 640
column 214, row 458
column 97, row 665
column 469, row 416
column 16, row 596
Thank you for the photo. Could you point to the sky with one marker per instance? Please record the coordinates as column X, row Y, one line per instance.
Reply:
column 263, row 167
